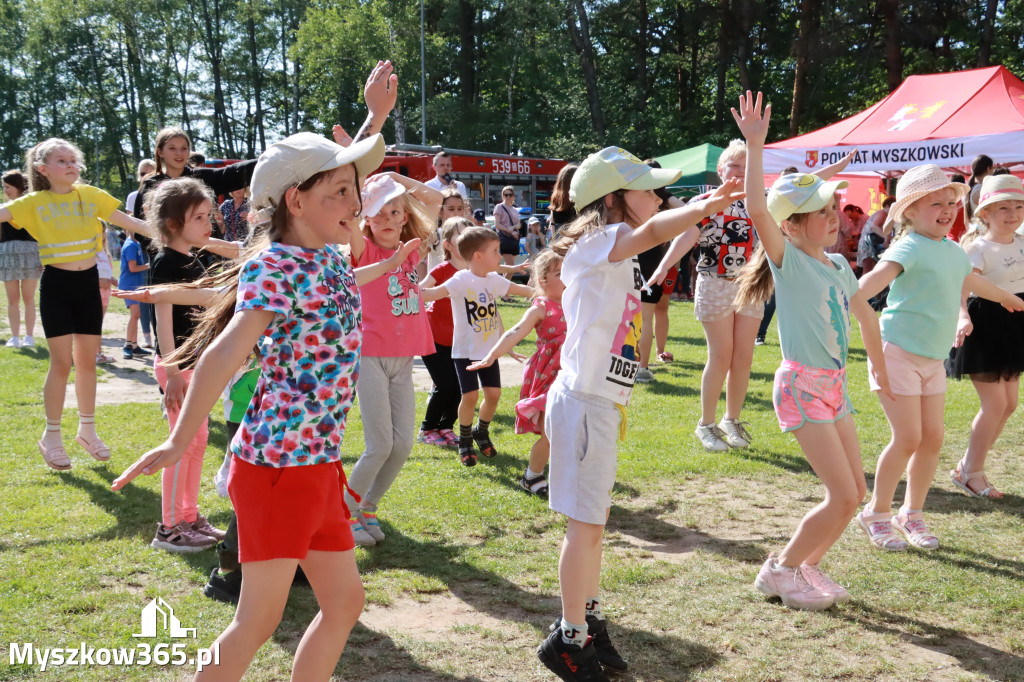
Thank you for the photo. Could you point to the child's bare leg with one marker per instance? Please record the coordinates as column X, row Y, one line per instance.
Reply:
column 661, row 322
column 467, row 408
column 579, row 568
column 339, row 592
column 904, row 416
column 925, row 460
column 86, row 346
column 851, row 450
column 719, row 335
column 744, row 331
column 131, row 334
column 492, row 394
column 28, row 299
column 540, row 453
column 265, row 587
column 823, row 525
column 998, row 402
column 55, row 386
column 646, row 333
column 13, row 307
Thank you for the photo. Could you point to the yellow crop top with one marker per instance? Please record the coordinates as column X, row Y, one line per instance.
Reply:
column 67, row 226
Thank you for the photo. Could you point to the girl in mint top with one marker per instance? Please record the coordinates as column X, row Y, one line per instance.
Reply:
column 928, row 276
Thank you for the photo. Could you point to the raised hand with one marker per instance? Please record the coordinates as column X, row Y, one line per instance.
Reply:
column 722, row 197
column 381, row 90
column 750, row 119
column 341, row 137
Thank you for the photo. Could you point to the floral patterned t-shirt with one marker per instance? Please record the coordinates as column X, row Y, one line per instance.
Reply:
column 309, row 355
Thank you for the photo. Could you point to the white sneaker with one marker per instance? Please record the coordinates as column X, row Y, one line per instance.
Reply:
column 644, row 376
column 710, row 437
column 736, row 434
column 792, row 586
column 13, row 342
column 360, row 535
column 220, row 479
column 27, row 342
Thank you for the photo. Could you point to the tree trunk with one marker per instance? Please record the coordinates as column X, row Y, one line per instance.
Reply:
column 467, row 53
column 214, row 39
column 724, row 27
column 580, row 34
column 746, row 39
column 893, row 54
column 808, row 31
column 988, row 25
column 257, row 77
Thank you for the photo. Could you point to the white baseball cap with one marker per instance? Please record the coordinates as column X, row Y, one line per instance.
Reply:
column 299, row 157
column 801, row 193
column 612, row 169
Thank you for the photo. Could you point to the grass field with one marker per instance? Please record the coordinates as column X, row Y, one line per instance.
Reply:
column 465, row 585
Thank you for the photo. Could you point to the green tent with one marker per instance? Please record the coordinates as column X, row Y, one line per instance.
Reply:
column 697, row 163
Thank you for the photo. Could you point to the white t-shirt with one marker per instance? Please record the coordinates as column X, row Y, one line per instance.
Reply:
column 475, row 320
column 435, row 182
column 602, row 309
column 129, row 205
column 1001, row 264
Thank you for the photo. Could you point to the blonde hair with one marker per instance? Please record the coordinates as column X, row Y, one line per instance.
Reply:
column 450, row 232
column 736, row 149
column 143, row 164
column 905, row 225
column 169, row 204
column 162, row 138
column 417, row 222
column 38, row 155
column 545, row 261
column 593, row 218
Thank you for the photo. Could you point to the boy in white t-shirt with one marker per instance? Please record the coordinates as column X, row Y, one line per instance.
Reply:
column 477, row 328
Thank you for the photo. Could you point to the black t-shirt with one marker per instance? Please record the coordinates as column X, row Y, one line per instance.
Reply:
column 563, row 217
column 220, row 180
column 650, row 259
column 9, row 233
column 172, row 267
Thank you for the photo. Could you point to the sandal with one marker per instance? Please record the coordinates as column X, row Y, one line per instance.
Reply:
column 483, row 441
column 538, row 485
column 56, row 457
column 98, row 449
column 879, row 530
column 964, row 482
column 467, row 455
column 104, row 359
column 665, row 356
column 914, row 529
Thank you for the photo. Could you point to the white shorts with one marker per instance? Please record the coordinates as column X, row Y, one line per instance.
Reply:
column 714, row 296
column 583, row 430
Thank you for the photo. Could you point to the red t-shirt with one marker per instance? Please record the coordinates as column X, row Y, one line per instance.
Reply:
column 439, row 312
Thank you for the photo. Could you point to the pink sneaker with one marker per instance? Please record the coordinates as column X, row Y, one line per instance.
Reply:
column 432, row 438
column 820, row 580
column 449, row 436
column 202, row 526
column 789, row 583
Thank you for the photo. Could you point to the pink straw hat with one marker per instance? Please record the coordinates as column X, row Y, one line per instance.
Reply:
column 918, row 182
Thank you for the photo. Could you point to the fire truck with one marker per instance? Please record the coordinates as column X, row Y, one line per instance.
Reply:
column 483, row 173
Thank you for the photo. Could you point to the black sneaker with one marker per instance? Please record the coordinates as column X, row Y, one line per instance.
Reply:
column 225, row 588
column 606, row 651
column 139, row 350
column 570, row 662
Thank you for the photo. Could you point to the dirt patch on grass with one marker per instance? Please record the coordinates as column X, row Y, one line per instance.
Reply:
column 438, row 618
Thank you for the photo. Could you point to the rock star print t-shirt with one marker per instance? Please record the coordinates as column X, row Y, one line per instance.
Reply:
column 309, row 355
column 477, row 325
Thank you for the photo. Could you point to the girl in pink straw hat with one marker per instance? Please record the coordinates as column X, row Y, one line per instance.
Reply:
column 989, row 339
column 928, row 275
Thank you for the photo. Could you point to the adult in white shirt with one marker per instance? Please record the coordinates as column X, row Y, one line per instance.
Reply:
column 443, row 176
column 146, row 166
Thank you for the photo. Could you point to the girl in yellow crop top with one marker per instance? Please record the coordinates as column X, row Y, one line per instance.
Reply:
column 64, row 217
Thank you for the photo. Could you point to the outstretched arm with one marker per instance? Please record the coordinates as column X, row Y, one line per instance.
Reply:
column 169, row 294
column 434, row 293
column 985, row 289
column 679, row 247
column 520, row 290
column 839, row 166
column 879, row 278
column 754, row 127
column 368, row 273
column 510, row 338
column 127, row 222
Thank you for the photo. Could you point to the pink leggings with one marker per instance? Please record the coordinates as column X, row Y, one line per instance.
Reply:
column 180, row 483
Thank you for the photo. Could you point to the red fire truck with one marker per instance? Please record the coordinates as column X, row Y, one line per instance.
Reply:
column 483, row 173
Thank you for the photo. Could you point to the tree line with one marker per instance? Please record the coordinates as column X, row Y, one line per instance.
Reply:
column 539, row 77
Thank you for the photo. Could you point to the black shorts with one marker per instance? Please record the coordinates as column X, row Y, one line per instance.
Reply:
column 509, row 245
column 488, row 377
column 69, row 302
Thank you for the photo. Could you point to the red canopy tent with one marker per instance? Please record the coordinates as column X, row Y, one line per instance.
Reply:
column 942, row 118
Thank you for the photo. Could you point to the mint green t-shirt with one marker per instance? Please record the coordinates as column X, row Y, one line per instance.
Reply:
column 924, row 300
column 812, row 302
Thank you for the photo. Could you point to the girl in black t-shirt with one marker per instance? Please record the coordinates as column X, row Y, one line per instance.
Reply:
column 20, row 267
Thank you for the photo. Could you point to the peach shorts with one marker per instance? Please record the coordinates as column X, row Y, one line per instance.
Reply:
column 809, row 394
column 909, row 373
column 714, row 299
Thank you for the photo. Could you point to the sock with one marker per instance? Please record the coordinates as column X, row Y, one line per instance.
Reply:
column 572, row 633
column 594, row 608
column 530, row 473
column 482, row 427
column 87, row 427
column 465, row 435
column 51, row 436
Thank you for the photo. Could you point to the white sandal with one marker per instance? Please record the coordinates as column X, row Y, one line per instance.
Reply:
column 910, row 522
column 962, row 480
column 878, row 527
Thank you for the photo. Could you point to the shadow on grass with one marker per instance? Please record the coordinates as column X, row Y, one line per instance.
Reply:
column 982, row 562
column 972, row 655
column 792, row 462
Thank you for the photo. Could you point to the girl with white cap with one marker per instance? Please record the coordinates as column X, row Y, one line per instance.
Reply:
column 928, row 276
column 815, row 293
column 989, row 339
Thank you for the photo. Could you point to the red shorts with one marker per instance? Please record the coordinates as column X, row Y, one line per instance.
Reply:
column 283, row 512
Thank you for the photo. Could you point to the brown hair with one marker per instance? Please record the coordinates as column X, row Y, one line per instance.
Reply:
column 167, row 205
column 216, row 316
column 542, row 265
column 16, row 179
column 448, row 232
column 417, row 221
column 560, row 200
column 441, row 155
column 755, row 280
column 474, row 239
column 594, row 217
column 38, row 155
column 162, row 138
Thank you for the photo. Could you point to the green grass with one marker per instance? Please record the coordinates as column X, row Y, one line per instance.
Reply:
column 466, row 583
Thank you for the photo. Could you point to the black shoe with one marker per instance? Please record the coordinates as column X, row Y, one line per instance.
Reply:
column 300, row 577
column 139, row 350
column 483, row 441
column 570, row 662
column 225, row 588
column 606, row 651
column 126, row 353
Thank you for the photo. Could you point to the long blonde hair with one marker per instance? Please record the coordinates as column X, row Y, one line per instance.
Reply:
column 37, row 156
column 755, row 280
column 594, row 217
column 418, row 224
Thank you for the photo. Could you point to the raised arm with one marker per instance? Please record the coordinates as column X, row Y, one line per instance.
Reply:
column 380, row 93
column 533, row 316
column 839, row 166
column 754, row 127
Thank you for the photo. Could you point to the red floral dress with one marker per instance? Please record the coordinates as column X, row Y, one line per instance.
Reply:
column 541, row 368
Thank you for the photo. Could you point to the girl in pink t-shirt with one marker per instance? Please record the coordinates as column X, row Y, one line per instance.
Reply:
column 395, row 330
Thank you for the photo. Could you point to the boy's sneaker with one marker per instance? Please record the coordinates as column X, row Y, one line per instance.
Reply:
column 226, row 588
column 126, row 353
column 736, row 434
column 644, row 376
column 570, row 662
column 203, row 526
column 606, row 651
column 181, row 539
column 139, row 350
column 711, row 437
column 432, row 437
column 821, row 580
column 27, row 342
column 360, row 534
column 370, row 524
column 789, row 583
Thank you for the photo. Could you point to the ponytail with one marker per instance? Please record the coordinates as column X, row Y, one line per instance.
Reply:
column 756, row 284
